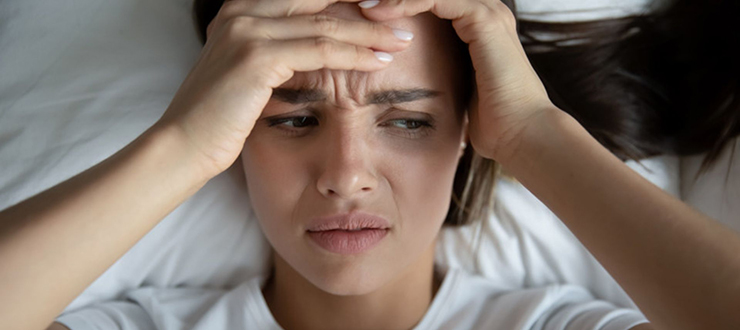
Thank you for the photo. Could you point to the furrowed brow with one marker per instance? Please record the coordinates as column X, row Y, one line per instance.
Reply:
column 402, row 96
column 298, row 96
column 302, row 95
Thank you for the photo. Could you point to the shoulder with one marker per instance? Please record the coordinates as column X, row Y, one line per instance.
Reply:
column 474, row 302
column 240, row 307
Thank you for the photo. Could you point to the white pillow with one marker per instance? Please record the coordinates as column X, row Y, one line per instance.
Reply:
column 585, row 10
column 80, row 79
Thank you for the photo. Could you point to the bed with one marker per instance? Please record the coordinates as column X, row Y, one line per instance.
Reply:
column 80, row 79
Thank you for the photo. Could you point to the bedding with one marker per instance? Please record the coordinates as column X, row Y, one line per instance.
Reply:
column 80, row 79
column 584, row 10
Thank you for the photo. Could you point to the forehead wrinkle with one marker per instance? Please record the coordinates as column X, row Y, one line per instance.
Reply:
column 317, row 86
column 345, row 90
column 357, row 84
column 298, row 96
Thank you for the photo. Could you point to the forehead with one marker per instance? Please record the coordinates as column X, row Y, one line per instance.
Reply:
column 426, row 63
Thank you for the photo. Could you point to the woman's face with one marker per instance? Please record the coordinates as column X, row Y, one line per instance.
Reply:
column 385, row 143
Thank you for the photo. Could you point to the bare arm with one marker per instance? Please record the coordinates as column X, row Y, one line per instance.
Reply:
column 680, row 267
column 53, row 245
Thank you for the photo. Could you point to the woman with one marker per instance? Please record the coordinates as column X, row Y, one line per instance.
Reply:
column 371, row 167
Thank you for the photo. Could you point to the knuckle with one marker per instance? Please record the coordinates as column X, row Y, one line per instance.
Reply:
column 503, row 13
column 493, row 16
column 245, row 22
column 231, row 8
column 228, row 5
column 240, row 25
column 325, row 46
column 379, row 30
column 360, row 53
column 326, row 25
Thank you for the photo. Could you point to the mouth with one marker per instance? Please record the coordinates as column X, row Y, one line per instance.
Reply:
column 348, row 241
column 349, row 222
column 352, row 233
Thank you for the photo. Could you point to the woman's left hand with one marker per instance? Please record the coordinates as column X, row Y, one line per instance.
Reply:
column 510, row 95
column 679, row 266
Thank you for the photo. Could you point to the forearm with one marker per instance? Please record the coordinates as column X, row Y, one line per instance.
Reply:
column 53, row 245
column 680, row 267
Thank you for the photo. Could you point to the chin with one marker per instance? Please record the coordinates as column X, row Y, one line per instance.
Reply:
column 349, row 280
column 346, row 286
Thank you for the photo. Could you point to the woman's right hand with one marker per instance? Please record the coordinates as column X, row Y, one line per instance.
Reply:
column 255, row 46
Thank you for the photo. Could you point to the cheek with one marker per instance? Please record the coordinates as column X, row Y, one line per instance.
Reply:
column 422, row 182
column 275, row 181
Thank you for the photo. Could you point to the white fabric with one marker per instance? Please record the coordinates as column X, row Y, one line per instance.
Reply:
column 585, row 10
column 463, row 302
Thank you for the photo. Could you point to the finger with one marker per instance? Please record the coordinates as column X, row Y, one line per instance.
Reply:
column 277, row 8
column 474, row 20
column 287, row 8
column 267, row 9
column 311, row 54
column 445, row 9
column 362, row 33
column 392, row 9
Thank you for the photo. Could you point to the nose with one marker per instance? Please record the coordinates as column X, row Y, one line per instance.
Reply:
column 347, row 166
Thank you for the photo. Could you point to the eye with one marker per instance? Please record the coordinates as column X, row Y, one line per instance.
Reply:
column 294, row 122
column 299, row 125
column 410, row 124
column 410, row 128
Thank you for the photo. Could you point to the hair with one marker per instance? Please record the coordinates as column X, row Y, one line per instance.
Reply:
column 473, row 186
column 659, row 83
column 664, row 82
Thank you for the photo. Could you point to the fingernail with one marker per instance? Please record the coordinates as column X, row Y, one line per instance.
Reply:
column 403, row 35
column 385, row 57
column 368, row 4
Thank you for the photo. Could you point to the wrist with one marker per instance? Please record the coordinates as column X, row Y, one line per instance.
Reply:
column 170, row 140
column 543, row 128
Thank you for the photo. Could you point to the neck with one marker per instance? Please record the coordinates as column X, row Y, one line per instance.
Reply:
column 296, row 303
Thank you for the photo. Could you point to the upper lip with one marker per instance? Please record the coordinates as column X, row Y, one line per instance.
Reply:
column 348, row 221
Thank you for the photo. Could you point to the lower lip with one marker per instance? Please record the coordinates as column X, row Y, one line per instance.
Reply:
column 348, row 242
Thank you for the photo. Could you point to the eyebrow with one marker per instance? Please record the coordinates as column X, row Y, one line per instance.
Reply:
column 302, row 95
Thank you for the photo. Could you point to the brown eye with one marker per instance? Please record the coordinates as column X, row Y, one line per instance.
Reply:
column 410, row 128
column 295, row 122
column 410, row 124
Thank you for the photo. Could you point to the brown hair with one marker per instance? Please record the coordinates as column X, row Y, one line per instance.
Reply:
column 473, row 187
column 666, row 82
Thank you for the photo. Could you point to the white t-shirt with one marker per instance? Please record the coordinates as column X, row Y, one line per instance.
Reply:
column 463, row 301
